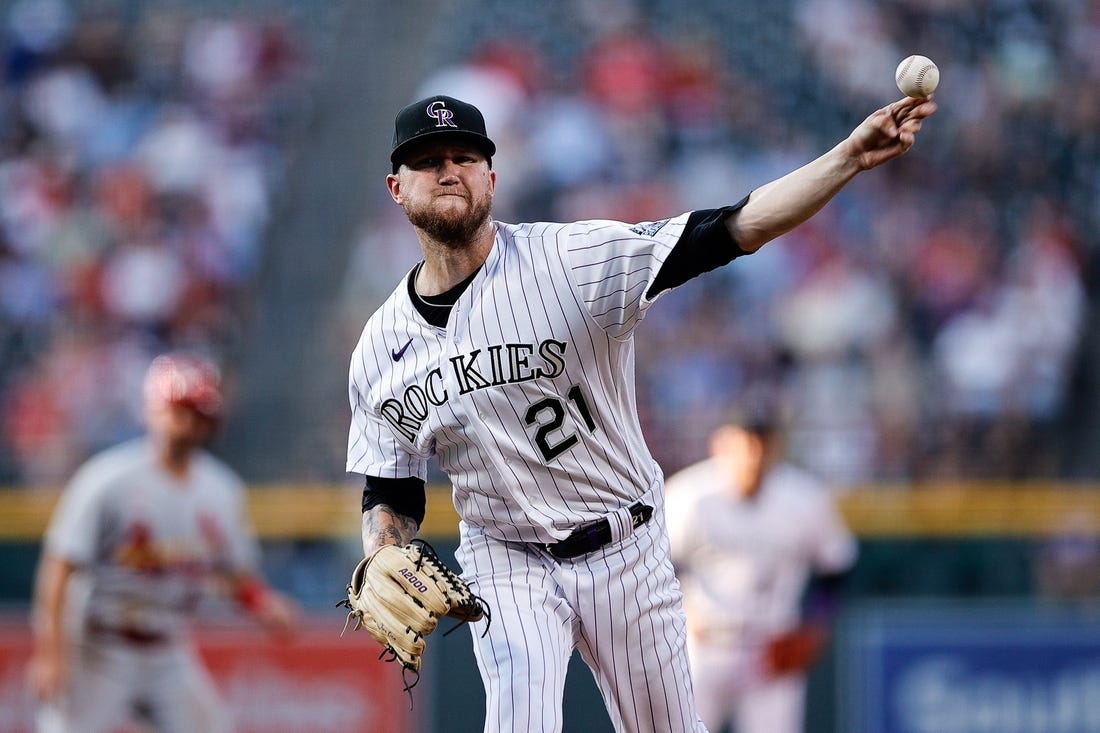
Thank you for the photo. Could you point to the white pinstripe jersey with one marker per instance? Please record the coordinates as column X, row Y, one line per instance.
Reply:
column 527, row 397
column 743, row 563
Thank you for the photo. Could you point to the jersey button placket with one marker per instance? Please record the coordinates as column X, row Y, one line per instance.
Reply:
column 453, row 329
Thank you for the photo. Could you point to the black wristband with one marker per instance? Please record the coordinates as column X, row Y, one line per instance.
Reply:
column 406, row 496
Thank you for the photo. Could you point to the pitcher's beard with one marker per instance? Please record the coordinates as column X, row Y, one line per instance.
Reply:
column 453, row 231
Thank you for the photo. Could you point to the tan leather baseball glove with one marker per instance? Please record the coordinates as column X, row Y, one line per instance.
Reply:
column 399, row 594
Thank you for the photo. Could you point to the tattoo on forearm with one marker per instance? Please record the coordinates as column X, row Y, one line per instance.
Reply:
column 384, row 526
column 393, row 533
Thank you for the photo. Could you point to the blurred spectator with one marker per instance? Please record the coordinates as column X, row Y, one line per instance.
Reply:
column 138, row 157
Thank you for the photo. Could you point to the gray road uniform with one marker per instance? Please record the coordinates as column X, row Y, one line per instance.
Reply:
column 146, row 546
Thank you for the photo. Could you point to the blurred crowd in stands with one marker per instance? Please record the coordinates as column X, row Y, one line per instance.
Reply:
column 139, row 157
column 928, row 323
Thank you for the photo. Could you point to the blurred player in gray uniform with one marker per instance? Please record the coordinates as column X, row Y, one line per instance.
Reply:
column 507, row 355
column 753, row 538
column 138, row 535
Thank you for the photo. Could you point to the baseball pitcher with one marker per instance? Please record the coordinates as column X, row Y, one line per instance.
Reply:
column 507, row 355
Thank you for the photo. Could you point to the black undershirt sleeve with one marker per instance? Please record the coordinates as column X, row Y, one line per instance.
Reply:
column 706, row 244
column 406, row 496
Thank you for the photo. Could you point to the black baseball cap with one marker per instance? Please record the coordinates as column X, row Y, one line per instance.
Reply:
column 439, row 116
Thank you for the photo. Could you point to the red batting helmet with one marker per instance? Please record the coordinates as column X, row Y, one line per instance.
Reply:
column 181, row 379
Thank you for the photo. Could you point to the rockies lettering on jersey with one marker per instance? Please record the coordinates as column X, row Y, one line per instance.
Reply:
column 513, row 395
column 408, row 414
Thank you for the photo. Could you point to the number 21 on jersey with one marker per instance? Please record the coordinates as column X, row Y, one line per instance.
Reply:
column 549, row 415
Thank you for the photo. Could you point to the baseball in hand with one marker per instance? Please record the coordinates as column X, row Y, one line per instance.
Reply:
column 917, row 76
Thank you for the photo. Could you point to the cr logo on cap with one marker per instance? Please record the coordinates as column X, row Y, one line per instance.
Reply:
column 443, row 116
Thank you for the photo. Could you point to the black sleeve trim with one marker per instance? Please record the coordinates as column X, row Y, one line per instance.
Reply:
column 406, row 496
column 705, row 245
